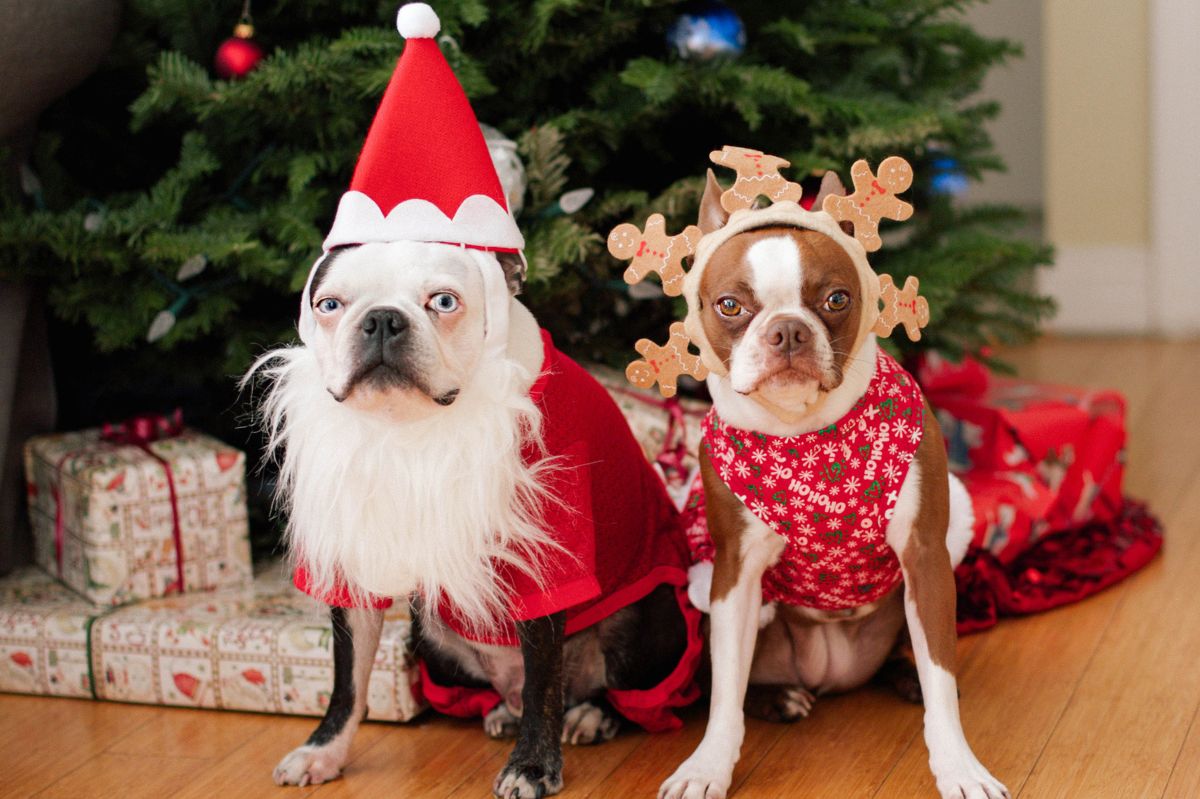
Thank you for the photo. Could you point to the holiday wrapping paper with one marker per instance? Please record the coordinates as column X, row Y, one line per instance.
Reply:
column 43, row 636
column 265, row 648
column 1037, row 458
column 268, row 649
column 667, row 429
column 106, row 523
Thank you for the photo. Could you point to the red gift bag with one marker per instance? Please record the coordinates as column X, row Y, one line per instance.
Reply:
column 1044, row 466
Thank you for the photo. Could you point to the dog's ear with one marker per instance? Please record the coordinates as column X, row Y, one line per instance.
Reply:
column 513, row 264
column 712, row 215
column 832, row 186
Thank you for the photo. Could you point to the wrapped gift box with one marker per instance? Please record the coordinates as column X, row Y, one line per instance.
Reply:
column 1037, row 458
column 43, row 636
column 267, row 648
column 667, row 429
column 105, row 521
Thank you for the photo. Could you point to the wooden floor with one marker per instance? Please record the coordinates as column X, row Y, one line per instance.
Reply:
column 1095, row 700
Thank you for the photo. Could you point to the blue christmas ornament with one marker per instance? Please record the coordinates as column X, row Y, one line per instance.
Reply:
column 948, row 177
column 707, row 30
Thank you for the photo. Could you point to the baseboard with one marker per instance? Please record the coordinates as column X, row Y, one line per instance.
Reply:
column 1099, row 290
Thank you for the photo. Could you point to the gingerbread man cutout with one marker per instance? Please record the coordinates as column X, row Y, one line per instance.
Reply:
column 901, row 306
column 757, row 174
column 654, row 251
column 874, row 199
column 664, row 363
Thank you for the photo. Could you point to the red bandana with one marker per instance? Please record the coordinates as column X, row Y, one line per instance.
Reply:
column 829, row 493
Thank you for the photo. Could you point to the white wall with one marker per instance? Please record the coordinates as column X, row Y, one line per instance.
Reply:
column 1101, row 130
column 1174, row 280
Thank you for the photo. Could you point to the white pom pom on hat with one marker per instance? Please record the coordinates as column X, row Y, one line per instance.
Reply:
column 417, row 21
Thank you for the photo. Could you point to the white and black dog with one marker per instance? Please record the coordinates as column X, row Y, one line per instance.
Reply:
column 404, row 428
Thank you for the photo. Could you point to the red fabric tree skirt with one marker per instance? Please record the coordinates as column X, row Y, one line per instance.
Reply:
column 1058, row 569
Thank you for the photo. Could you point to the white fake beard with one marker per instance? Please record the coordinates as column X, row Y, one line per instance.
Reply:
column 390, row 508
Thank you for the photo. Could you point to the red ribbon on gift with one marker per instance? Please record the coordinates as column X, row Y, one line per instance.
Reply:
column 138, row 431
column 673, row 456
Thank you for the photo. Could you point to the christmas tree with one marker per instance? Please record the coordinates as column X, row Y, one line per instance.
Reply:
column 180, row 207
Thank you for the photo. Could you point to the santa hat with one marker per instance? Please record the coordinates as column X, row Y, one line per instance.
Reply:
column 425, row 173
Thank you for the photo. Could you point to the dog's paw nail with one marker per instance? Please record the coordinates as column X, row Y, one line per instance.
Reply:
column 307, row 765
column 586, row 723
column 528, row 781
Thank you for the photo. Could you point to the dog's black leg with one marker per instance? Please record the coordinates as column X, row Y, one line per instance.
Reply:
column 535, row 766
column 320, row 759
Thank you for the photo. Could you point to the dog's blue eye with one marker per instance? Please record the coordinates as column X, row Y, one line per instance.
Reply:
column 443, row 302
column 328, row 305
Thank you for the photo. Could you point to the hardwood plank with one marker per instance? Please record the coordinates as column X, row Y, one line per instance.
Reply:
column 1013, row 692
column 584, row 767
column 127, row 777
column 213, row 734
column 845, row 748
column 41, row 739
column 425, row 759
column 1185, row 775
column 246, row 772
column 657, row 756
column 1128, row 720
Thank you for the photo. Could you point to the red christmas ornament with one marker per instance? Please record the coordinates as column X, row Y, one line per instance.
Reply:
column 238, row 54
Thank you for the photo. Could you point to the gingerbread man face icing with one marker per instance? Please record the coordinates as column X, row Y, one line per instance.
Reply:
column 652, row 250
column 757, row 174
column 873, row 200
column 663, row 364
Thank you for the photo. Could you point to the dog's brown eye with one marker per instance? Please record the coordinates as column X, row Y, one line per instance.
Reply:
column 728, row 307
column 837, row 301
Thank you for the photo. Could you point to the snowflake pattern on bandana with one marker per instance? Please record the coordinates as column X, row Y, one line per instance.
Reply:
column 830, row 493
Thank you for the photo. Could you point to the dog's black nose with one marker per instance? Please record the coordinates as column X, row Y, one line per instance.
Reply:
column 386, row 323
column 786, row 336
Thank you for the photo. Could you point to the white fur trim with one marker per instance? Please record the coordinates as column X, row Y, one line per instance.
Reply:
column 479, row 222
column 962, row 521
column 417, row 21
column 700, row 585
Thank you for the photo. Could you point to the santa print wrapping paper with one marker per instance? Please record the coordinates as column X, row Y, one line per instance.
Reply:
column 267, row 648
column 103, row 520
column 43, row 636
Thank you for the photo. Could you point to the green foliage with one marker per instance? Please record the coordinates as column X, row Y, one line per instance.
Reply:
column 155, row 160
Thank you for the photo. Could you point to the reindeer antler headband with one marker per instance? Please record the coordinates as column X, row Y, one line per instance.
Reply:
column 653, row 250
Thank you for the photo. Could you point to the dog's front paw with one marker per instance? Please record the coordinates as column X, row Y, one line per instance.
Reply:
column 966, row 778
column 699, row 777
column 588, row 723
column 309, row 765
column 528, row 779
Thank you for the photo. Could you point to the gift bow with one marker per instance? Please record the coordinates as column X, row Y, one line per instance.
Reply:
column 137, row 431
column 144, row 429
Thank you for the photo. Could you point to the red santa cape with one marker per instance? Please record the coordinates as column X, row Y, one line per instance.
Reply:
column 619, row 532
column 830, row 494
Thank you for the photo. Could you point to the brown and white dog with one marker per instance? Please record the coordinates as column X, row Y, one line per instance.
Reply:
column 781, row 303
